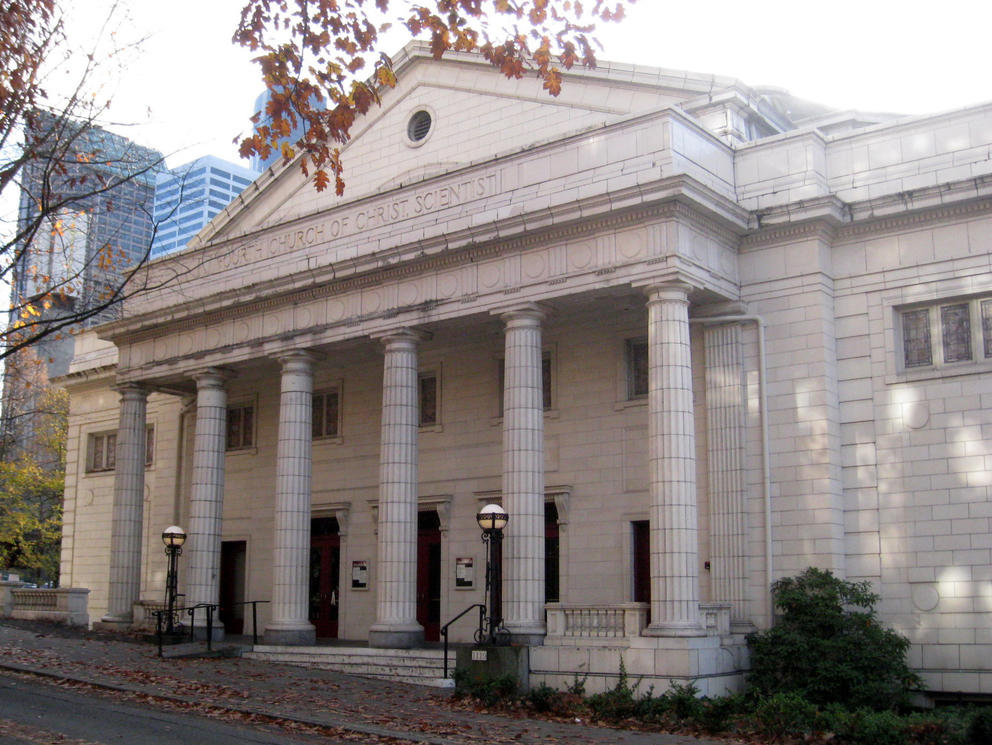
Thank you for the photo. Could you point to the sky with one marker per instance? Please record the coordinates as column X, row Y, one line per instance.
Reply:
column 189, row 91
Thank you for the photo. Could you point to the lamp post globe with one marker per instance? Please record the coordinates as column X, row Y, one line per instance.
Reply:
column 492, row 517
column 173, row 536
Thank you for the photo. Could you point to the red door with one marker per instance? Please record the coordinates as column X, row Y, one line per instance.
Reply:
column 325, row 566
column 232, row 586
column 429, row 574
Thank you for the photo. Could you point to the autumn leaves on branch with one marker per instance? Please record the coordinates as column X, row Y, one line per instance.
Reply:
column 323, row 65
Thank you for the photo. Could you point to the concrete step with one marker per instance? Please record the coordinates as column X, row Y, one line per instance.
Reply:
column 199, row 649
column 421, row 666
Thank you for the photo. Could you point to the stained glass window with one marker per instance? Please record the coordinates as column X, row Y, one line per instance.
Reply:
column 916, row 338
column 955, row 329
column 637, row 368
column 428, row 399
column 987, row 326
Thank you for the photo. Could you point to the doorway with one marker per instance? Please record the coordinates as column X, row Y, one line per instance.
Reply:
column 429, row 574
column 232, row 586
column 325, row 570
column 642, row 562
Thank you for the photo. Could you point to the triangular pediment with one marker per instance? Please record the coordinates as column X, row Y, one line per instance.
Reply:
column 475, row 115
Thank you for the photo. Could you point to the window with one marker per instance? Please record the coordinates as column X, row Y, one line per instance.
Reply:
column 419, row 125
column 427, row 385
column 637, row 368
column 326, row 414
column 946, row 333
column 240, row 427
column 547, row 398
column 101, row 450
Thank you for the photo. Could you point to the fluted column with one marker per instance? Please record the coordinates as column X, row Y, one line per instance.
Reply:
column 291, row 557
column 396, row 623
column 129, row 496
column 523, row 477
column 206, row 501
column 725, row 438
column 672, row 462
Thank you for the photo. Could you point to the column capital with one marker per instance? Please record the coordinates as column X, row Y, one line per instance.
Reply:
column 211, row 377
column 522, row 313
column 672, row 292
column 300, row 360
column 132, row 390
column 401, row 337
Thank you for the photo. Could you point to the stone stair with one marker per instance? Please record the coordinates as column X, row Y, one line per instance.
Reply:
column 421, row 666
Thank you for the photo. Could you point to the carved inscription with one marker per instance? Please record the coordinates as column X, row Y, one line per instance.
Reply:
column 376, row 215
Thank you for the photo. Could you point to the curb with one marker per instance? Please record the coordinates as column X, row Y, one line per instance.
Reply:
column 273, row 718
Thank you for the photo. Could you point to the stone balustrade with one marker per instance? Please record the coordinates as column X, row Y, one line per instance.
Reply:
column 618, row 624
column 570, row 623
column 66, row 605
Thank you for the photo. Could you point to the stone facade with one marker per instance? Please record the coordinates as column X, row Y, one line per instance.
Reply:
column 691, row 341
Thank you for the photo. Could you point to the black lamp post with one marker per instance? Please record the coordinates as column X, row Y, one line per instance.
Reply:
column 492, row 519
column 173, row 537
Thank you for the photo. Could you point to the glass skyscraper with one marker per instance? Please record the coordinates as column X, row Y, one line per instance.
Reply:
column 188, row 197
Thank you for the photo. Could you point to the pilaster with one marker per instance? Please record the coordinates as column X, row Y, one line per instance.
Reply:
column 725, row 459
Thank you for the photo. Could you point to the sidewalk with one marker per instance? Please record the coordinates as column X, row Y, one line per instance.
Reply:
column 247, row 688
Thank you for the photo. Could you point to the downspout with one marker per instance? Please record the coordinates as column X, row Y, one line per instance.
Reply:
column 766, row 477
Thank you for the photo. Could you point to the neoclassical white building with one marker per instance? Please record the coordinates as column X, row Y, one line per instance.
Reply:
column 693, row 336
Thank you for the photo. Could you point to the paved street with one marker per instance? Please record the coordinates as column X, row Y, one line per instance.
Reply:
column 239, row 691
column 37, row 712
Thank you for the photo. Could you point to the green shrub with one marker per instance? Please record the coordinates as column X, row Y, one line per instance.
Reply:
column 870, row 727
column 618, row 703
column 718, row 715
column 683, row 701
column 488, row 691
column 784, row 715
column 828, row 646
column 980, row 729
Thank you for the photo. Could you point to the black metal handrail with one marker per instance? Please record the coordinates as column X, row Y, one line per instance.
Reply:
column 478, row 634
column 209, row 609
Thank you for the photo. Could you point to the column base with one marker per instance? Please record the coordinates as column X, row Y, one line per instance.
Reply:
column 399, row 636
column 527, row 636
column 290, row 635
column 115, row 624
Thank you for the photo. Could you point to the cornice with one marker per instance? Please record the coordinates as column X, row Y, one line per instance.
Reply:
column 871, row 224
column 568, row 222
column 817, row 228
column 851, row 221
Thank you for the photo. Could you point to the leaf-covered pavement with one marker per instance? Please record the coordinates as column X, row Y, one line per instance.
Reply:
column 318, row 702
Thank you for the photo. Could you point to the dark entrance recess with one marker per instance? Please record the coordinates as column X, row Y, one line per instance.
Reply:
column 552, row 591
column 325, row 570
column 232, row 586
column 642, row 562
column 429, row 574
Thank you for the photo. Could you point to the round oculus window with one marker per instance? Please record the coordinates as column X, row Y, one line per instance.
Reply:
column 419, row 126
